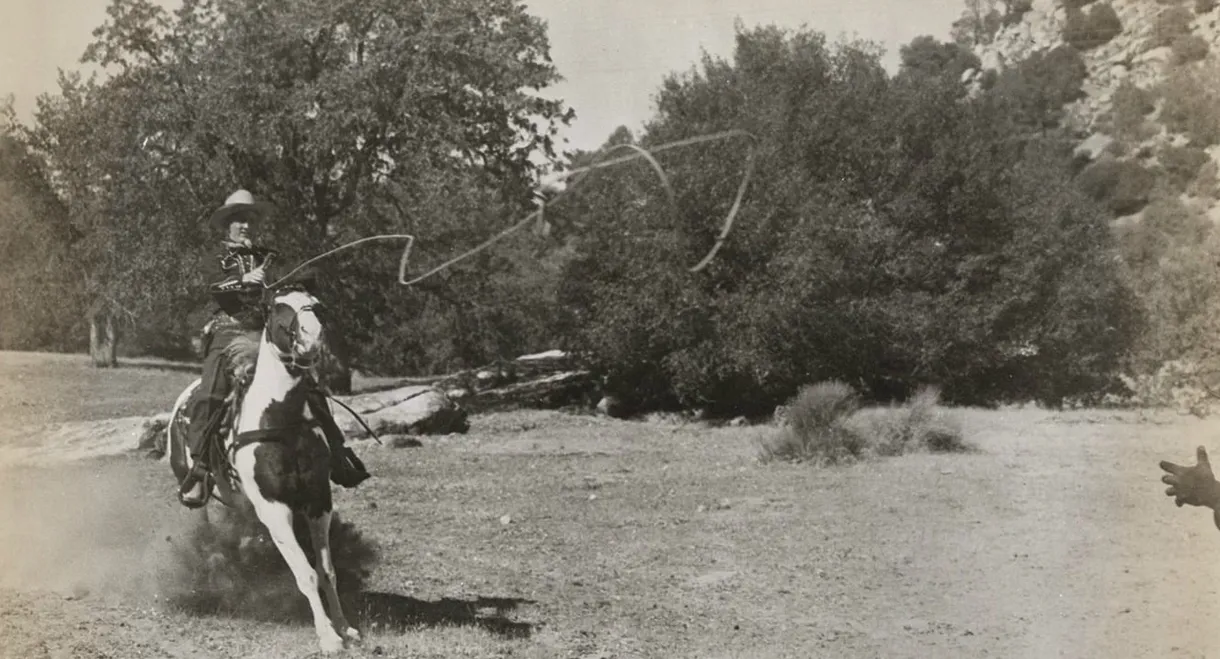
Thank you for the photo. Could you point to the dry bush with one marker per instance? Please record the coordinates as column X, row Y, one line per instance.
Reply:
column 921, row 424
column 826, row 426
column 816, row 429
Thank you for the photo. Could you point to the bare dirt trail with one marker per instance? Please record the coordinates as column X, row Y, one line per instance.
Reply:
column 645, row 540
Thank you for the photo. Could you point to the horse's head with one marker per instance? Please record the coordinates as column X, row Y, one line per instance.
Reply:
column 295, row 329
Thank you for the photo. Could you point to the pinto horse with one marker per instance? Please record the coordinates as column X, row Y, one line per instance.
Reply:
column 274, row 457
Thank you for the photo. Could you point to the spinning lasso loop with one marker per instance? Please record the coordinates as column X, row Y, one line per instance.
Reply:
column 580, row 173
column 402, row 262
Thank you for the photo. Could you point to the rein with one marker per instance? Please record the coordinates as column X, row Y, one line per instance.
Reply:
column 248, row 437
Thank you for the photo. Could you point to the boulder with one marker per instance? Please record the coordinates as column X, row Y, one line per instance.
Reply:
column 152, row 435
column 609, row 406
column 1094, row 146
column 415, row 410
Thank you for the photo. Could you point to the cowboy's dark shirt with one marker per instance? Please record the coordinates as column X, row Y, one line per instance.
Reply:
column 241, row 301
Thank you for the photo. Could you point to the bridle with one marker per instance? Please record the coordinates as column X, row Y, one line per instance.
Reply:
column 289, row 358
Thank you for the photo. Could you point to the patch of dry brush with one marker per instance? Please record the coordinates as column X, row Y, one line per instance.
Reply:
column 826, row 425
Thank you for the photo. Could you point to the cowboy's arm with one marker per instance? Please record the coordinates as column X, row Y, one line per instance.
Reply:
column 225, row 275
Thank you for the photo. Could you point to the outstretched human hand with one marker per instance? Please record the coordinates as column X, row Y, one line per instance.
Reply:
column 1193, row 486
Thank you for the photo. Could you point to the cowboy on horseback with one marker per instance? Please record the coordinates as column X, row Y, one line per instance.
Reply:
column 237, row 282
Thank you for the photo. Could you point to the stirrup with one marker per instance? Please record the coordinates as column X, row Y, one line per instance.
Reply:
column 198, row 475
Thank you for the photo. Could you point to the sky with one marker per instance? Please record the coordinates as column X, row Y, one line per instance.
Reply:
column 613, row 54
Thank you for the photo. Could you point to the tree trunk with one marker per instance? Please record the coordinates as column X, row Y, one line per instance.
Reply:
column 103, row 340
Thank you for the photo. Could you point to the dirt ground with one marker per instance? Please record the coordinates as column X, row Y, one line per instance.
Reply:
column 544, row 535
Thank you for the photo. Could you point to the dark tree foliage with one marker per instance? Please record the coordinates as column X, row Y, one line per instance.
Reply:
column 896, row 234
column 353, row 119
column 40, row 291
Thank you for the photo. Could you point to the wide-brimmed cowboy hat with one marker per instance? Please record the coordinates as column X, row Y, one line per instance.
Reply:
column 238, row 202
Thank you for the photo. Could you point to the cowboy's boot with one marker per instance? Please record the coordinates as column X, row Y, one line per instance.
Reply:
column 194, row 490
column 346, row 470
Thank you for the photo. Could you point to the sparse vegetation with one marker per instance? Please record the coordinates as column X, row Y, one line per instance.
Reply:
column 816, row 429
column 1204, row 6
column 825, row 425
column 920, row 424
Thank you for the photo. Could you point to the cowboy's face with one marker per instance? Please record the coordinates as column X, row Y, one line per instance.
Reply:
column 239, row 229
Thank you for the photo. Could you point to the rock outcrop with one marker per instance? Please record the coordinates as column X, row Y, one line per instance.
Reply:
column 1157, row 39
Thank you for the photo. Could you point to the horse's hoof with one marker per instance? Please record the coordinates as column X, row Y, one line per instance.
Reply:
column 352, row 635
column 331, row 644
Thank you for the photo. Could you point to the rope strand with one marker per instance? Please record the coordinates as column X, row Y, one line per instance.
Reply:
column 580, row 173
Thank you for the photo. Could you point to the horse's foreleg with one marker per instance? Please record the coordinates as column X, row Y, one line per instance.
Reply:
column 319, row 531
column 277, row 517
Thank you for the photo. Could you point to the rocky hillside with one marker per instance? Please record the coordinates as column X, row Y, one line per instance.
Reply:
column 1152, row 92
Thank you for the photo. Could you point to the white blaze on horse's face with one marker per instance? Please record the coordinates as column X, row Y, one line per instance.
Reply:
column 295, row 329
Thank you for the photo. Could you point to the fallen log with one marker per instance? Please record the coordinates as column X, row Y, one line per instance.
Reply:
column 548, row 392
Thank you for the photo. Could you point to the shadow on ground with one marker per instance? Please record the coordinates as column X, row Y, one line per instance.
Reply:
column 399, row 612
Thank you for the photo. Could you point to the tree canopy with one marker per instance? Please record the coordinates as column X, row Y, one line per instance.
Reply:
column 351, row 118
column 898, row 234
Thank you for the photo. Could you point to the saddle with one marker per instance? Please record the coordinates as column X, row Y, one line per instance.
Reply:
column 219, row 458
column 347, row 470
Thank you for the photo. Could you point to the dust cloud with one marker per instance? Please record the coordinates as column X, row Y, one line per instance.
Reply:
column 112, row 529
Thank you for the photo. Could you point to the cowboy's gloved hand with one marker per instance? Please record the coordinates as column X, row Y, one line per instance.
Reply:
column 1193, row 486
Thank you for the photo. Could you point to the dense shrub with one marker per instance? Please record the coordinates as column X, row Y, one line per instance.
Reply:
column 1096, row 27
column 1170, row 25
column 1015, row 11
column 1130, row 105
column 1182, row 165
column 1189, row 48
column 1035, row 90
column 1123, row 186
column 880, row 243
column 1192, row 104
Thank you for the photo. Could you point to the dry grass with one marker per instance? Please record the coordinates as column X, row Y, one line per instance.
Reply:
column 40, row 388
column 921, row 424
